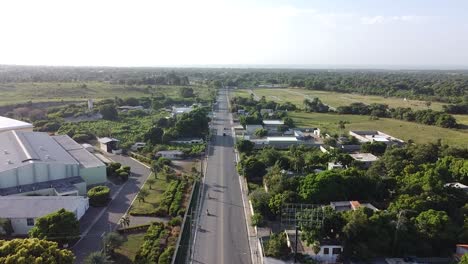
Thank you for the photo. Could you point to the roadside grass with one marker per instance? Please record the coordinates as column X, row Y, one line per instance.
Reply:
column 154, row 197
column 334, row 99
column 401, row 129
column 80, row 91
column 127, row 252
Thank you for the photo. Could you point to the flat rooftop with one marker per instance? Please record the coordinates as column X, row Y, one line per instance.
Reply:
column 364, row 157
column 273, row 122
column 61, row 185
column 12, row 124
column 37, row 206
column 282, row 139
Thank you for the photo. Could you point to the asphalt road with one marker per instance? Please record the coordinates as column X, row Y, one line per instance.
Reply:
column 222, row 236
column 96, row 224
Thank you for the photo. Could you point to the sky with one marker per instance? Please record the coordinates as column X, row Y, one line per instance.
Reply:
column 334, row 33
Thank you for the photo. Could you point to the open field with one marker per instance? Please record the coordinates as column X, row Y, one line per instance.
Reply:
column 152, row 201
column 71, row 91
column 400, row 129
column 462, row 119
column 127, row 252
column 333, row 99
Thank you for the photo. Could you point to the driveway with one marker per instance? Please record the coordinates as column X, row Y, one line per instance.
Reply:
column 98, row 221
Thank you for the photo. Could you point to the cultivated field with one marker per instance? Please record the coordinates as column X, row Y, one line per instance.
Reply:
column 401, row 129
column 333, row 99
column 72, row 91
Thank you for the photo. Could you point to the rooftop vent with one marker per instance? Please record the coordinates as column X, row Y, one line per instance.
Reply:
column 5, row 151
column 9, row 162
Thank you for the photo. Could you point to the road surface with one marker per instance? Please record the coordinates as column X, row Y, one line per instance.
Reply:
column 222, row 236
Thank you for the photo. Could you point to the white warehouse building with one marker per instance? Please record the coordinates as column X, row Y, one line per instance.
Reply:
column 36, row 163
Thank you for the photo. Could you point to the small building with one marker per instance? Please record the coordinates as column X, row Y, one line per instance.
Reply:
column 181, row 110
column 334, row 165
column 250, row 129
column 22, row 211
column 375, row 136
column 170, row 154
column 108, row 144
column 273, row 125
column 366, row 159
column 126, row 108
column 187, row 141
column 8, row 124
column 329, row 250
column 457, row 185
column 342, row 206
column 241, row 112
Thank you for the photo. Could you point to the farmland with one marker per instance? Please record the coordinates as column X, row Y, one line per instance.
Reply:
column 333, row 99
column 80, row 91
column 400, row 129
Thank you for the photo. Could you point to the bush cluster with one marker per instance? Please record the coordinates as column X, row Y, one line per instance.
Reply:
column 99, row 195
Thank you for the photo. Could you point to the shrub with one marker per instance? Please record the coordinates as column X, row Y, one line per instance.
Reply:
column 257, row 220
column 123, row 175
column 166, row 256
column 160, row 211
column 99, row 195
column 176, row 221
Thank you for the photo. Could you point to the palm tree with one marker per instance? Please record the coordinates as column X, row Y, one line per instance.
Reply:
column 96, row 258
column 112, row 241
column 150, row 182
column 142, row 195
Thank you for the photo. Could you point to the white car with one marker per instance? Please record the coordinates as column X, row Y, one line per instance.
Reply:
column 137, row 146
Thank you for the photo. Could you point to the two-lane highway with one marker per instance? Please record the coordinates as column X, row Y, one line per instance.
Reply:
column 222, row 233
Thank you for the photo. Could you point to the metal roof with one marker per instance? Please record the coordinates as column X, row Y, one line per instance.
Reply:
column 37, row 206
column 11, row 124
column 106, row 140
column 273, row 122
column 78, row 152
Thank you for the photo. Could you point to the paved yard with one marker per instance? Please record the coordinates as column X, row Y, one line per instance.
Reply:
column 97, row 221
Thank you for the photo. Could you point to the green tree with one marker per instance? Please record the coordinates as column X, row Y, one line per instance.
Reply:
column 61, row 226
column 431, row 223
column 186, row 92
column 108, row 112
column 261, row 132
column 253, row 168
column 96, row 258
column 112, row 241
column 150, row 182
column 142, row 195
column 464, row 259
column 245, row 146
column 277, row 246
column 154, row 135
column 33, row 250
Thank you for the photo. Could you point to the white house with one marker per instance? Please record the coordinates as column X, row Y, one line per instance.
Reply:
column 181, row 110
column 8, row 124
column 375, row 136
column 22, row 211
column 457, row 185
column 36, row 163
column 170, row 154
column 364, row 158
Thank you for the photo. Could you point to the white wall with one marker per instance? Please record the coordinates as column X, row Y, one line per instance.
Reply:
column 94, row 175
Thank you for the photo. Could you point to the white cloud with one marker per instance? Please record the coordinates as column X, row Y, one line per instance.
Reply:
column 373, row 20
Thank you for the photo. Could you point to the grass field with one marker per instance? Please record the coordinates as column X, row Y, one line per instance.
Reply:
column 397, row 128
column 153, row 200
column 333, row 99
column 127, row 252
column 71, row 91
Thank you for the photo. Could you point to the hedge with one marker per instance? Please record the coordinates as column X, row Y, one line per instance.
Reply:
column 99, row 195
column 150, row 250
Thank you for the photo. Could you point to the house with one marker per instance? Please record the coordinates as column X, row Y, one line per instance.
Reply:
column 282, row 142
column 187, row 141
column 350, row 205
column 375, row 136
column 250, row 129
column 109, row 145
column 273, row 125
column 170, row 154
column 36, row 163
column 181, row 110
column 366, row 159
column 334, row 165
column 329, row 250
column 126, row 108
column 241, row 112
column 22, row 211
column 457, row 185
column 8, row 124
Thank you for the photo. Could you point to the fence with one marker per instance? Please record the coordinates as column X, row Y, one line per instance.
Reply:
column 184, row 244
